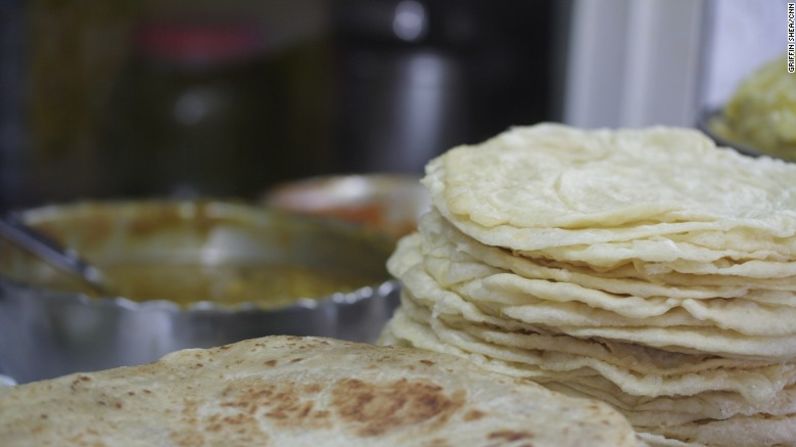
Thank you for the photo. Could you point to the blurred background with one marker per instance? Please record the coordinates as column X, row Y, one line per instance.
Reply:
column 205, row 98
column 275, row 102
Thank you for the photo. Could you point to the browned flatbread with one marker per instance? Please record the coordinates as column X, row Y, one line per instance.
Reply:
column 302, row 392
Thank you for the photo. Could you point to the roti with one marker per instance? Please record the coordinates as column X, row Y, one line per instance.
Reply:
column 646, row 268
column 303, row 392
column 551, row 185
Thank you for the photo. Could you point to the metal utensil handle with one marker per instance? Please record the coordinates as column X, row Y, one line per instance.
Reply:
column 14, row 230
column 5, row 379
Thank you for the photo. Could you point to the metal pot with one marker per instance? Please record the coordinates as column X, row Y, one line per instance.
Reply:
column 46, row 332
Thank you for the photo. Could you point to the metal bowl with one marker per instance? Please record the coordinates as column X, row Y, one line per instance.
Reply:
column 705, row 123
column 46, row 333
column 389, row 203
column 709, row 122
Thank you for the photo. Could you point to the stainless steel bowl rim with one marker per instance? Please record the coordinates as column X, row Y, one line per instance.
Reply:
column 36, row 345
column 204, row 306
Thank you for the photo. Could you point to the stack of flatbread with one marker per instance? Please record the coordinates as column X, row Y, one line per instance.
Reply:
column 646, row 268
column 294, row 391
